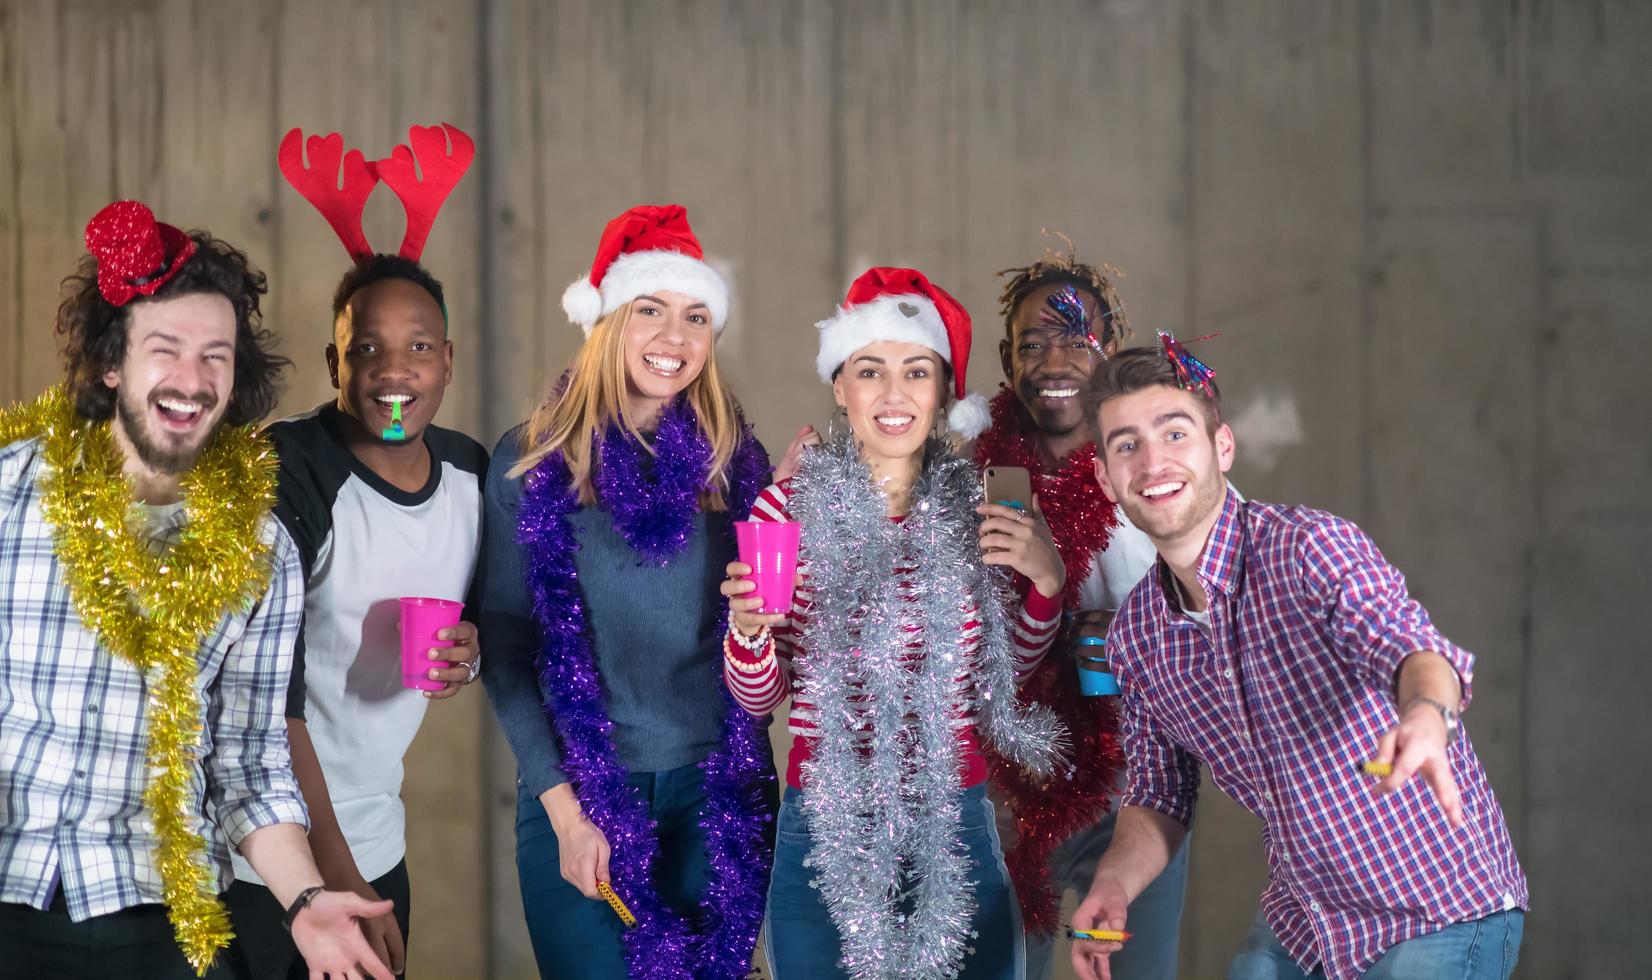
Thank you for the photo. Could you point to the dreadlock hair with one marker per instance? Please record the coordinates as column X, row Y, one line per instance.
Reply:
column 377, row 268
column 1064, row 267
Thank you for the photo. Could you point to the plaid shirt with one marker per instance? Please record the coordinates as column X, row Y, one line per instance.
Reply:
column 73, row 733
column 1283, row 697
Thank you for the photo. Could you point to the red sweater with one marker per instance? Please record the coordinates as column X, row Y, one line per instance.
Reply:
column 1032, row 631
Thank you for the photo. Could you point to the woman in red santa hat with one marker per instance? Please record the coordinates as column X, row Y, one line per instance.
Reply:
column 901, row 654
column 642, row 785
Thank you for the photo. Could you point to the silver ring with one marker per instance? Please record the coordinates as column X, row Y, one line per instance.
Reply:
column 473, row 670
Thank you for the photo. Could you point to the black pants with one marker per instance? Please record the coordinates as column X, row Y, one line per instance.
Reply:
column 135, row 943
column 263, row 949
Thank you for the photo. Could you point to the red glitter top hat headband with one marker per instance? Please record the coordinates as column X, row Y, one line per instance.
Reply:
column 136, row 254
column 342, row 205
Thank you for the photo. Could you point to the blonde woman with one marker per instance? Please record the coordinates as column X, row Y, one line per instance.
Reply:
column 607, row 531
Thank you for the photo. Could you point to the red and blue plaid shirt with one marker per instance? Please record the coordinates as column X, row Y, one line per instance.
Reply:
column 1285, row 694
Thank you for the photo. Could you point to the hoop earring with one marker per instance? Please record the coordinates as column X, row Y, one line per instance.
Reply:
column 831, row 424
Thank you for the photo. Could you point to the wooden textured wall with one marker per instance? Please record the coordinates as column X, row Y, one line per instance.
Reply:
column 1420, row 227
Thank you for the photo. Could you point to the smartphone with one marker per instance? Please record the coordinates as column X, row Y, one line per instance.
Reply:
column 1009, row 485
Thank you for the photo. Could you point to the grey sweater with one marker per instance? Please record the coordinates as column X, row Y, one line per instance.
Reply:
column 653, row 632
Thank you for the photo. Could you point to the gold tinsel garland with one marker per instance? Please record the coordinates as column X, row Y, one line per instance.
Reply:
column 154, row 610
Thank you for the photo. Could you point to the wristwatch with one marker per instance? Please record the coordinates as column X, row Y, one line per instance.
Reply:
column 1450, row 716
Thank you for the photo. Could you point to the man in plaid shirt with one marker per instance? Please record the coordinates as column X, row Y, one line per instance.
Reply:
column 163, row 346
column 1276, row 645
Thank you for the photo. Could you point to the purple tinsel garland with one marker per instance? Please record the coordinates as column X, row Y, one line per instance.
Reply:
column 656, row 518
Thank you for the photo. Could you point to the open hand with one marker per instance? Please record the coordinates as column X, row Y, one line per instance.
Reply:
column 787, row 467
column 328, row 934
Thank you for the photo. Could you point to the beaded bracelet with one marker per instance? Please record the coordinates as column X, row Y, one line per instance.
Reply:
column 753, row 643
column 745, row 666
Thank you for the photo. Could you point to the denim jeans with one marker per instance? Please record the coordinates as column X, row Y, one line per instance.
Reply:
column 803, row 943
column 578, row 938
column 1479, row 949
column 1154, row 919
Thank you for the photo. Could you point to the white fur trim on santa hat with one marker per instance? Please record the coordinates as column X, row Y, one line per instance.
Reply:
column 582, row 303
column 906, row 318
column 641, row 273
column 969, row 416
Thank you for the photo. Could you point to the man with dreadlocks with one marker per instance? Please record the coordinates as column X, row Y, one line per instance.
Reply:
column 1062, row 317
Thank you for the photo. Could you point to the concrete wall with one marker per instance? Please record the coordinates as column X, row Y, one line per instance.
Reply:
column 1420, row 226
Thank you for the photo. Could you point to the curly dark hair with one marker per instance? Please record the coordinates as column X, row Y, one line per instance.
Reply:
column 377, row 268
column 94, row 330
column 1064, row 267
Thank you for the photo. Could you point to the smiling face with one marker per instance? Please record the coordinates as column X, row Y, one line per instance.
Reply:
column 891, row 392
column 668, row 339
column 1158, row 459
column 390, row 348
column 174, row 382
column 1048, row 366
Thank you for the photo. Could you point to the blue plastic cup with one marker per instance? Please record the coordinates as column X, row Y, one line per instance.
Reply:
column 1094, row 678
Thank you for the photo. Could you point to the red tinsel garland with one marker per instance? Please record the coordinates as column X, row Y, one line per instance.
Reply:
column 1081, row 520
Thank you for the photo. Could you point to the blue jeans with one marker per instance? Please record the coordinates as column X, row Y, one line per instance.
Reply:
column 578, row 938
column 1480, row 949
column 1154, row 919
column 803, row 943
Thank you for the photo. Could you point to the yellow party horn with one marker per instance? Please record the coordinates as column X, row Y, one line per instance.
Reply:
column 618, row 906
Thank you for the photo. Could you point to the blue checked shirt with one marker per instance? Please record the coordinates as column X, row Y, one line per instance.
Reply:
column 1283, row 697
column 72, row 728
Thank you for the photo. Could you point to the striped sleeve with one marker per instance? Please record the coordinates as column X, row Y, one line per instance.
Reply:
column 1034, row 629
column 762, row 691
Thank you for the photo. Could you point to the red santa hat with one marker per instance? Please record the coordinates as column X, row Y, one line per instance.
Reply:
column 903, row 305
column 647, row 249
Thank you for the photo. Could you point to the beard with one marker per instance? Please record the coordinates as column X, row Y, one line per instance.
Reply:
column 1208, row 494
column 168, row 453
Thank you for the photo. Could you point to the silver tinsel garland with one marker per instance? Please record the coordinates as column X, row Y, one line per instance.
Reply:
column 883, row 667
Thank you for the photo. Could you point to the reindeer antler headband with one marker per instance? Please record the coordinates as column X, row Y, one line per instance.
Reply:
column 342, row 204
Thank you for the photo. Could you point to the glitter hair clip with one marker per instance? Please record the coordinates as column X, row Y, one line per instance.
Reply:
column 1192, row 374
column 1065, row 310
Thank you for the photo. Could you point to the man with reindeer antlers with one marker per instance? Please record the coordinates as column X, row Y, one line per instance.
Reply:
column 382, row 504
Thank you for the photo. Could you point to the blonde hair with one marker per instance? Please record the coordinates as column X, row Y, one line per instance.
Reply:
column 594, row 399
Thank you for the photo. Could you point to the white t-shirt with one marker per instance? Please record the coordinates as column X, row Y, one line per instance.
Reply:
column 1117, row 568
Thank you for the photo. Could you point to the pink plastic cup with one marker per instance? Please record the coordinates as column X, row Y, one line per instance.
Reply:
column 421, row 619
column 770, row 548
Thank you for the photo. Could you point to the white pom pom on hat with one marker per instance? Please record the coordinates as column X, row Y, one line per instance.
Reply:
column 582, row 302
column 903, row 305
column 649, row 248
column 969, row 416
